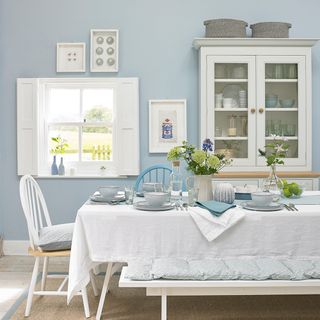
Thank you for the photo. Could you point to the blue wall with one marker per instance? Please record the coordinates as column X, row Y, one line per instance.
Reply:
column 155, row 45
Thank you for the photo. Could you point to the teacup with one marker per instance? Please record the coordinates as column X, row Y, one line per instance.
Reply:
column 108, row 192
column 262, row 198
column 152, row 186
column 156, row 199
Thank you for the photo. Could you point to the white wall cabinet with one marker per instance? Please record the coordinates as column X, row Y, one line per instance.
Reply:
column 251, row 89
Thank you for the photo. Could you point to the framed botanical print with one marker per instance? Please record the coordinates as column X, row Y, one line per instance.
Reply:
column 167, row 124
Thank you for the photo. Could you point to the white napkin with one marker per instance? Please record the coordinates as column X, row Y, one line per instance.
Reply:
column 212, row 227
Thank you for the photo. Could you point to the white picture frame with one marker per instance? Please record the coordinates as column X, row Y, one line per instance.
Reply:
column 167, row 124
column 104, row 50
column 71, row 57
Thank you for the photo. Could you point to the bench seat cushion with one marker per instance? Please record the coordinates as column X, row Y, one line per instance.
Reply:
column 57, row 237
column 224, row 269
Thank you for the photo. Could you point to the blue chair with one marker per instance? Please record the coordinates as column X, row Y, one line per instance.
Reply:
column 157, row 173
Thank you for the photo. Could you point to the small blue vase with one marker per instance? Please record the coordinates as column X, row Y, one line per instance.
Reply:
column 61, row 168
column 54, row 168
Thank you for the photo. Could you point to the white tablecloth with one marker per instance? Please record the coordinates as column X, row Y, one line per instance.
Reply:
column 105, row 233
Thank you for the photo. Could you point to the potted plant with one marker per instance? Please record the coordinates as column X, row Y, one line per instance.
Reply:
column 203, row 163
column 60, row 147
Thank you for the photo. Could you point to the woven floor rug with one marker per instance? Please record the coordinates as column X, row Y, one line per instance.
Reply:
column 132, row 304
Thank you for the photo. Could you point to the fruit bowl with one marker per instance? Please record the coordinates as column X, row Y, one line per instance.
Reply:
column 292, row 190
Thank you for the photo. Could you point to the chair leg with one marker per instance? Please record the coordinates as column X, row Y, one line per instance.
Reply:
column 44, row 273
column 93, row 284
column 32, row 286
column 164, row 304
column 85, row 302
column 104, row 291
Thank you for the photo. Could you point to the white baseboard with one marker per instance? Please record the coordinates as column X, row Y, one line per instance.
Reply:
column 15, row 247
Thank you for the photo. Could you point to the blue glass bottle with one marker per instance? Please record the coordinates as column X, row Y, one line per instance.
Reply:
column 54, row 168
column 61, row 168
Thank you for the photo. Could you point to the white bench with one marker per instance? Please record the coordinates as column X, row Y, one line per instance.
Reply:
column 165, row 288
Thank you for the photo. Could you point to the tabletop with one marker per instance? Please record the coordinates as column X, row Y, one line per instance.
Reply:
column 118, row 233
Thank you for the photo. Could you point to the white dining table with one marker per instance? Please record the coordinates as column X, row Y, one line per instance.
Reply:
column 119, row 233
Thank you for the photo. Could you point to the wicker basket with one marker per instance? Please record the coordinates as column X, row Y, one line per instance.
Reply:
column 225, row 28
column 270, row 30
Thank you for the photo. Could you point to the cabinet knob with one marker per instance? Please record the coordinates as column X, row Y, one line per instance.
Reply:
column 253, row 110
column 261, row 110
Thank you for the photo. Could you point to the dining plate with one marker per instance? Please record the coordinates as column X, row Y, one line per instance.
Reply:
column 99, row 198
column 251, row 205
column 145, row 206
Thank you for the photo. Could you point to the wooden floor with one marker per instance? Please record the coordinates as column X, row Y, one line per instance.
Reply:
column 15, row 275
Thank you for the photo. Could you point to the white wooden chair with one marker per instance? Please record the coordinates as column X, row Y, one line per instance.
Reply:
column 37, row 216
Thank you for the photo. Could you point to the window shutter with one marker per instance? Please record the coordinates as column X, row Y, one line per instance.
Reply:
column 127, row 122
column 27, row 126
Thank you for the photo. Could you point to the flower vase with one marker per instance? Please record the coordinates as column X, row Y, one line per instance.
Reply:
column 272, row 182
column 204, row 184
column 54, row 168
column 61, row 168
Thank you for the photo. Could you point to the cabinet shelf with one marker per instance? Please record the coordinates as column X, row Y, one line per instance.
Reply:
column 232, row 80
column 282, row 80
column 231, row 109
column 231, row 138
column 281, row 109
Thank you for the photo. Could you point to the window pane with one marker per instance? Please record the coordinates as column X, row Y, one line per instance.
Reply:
column 69, row 135
column 97, row 105
column 64, row 105
column 96, row 143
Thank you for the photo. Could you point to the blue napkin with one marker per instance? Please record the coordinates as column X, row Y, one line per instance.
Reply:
column 216, row 208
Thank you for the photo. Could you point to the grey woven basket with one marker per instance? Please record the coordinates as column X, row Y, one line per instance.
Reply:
column 225, row 28
column 270, row 30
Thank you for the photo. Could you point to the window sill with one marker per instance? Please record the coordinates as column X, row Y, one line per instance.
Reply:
column 81, row 177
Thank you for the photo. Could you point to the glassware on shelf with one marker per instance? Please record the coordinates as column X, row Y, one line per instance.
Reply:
column 243, row 126
column 278, row 71
column 232, row 130
column 291, row 130
column 291, row 71
column 242, row 99
column 218, row 100
column 220, row 71
column 238, row 72
column 218, row 132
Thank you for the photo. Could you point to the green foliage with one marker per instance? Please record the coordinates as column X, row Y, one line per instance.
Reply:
column 275, row 151
column 200, row 162
column 60, row 145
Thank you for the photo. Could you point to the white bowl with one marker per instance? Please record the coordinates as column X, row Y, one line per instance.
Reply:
column 108, row 192
column 262, row 198
column 152, row 186
column 156, row 199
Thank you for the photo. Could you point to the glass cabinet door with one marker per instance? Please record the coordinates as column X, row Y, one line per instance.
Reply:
column 231, row 107
column 282, row 105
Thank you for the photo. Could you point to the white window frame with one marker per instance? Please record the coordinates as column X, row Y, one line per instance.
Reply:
column 31, row 102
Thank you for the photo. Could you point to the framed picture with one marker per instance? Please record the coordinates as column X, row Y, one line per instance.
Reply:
column 71, row 57
column 167, row 124
column 104, row 50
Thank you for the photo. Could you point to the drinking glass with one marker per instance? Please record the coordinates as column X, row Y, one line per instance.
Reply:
column 192, row 190
column 129, row 194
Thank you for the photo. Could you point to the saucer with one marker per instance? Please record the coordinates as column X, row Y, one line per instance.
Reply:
column 145, row 206
column 251, row 205
column 99, row 198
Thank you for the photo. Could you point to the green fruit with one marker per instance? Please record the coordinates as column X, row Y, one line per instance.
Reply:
column 287, row 193
column 285, row 182
column 294, row 188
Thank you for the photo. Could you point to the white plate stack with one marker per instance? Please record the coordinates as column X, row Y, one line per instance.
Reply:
column 243, row 99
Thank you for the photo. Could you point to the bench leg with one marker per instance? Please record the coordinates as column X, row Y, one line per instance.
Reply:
column 163, row 304
column 104, row 290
